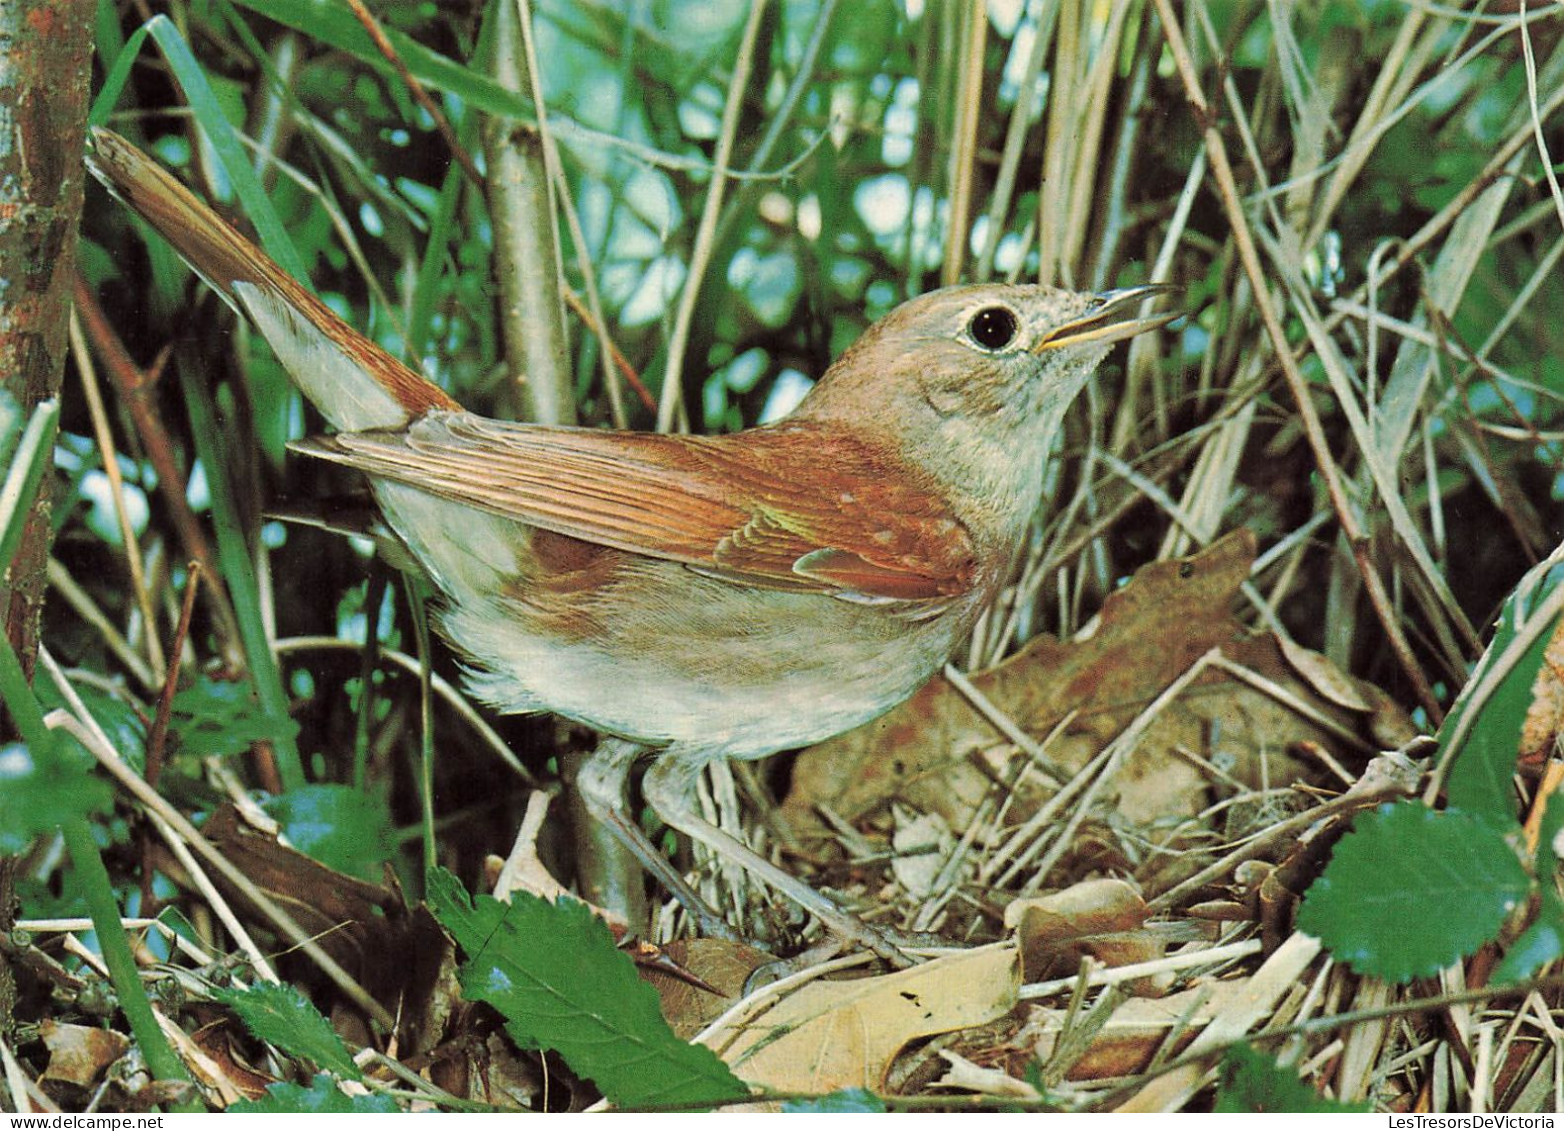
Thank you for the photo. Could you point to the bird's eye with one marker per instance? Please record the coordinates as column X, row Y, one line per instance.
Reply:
column 994, row 327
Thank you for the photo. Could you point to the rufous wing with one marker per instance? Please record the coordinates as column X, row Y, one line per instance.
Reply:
column 752, row 508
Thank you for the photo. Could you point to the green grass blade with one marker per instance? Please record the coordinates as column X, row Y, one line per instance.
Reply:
column 233, row 553
column 333, row 24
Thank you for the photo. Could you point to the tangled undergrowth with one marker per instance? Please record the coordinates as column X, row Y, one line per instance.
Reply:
column 1272, row 685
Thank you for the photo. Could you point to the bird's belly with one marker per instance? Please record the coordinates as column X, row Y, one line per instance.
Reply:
column 665, row 655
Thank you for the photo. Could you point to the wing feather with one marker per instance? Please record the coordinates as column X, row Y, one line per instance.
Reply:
column 731, row 507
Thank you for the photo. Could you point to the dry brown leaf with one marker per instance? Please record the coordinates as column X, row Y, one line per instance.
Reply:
column 221, row 1040
column 833, row 1035
column 1101, row 918
column 395, row 952
column 207, row 1073
column 723, row 965
column 938, row 754
column 80, row 1054
column 1137, row 1029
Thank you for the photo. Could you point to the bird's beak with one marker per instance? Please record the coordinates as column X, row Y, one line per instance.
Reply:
column 1110, row 319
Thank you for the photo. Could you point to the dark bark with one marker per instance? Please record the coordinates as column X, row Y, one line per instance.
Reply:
column 45, row 52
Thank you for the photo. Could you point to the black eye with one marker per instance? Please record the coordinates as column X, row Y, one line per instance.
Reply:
column 994, row 327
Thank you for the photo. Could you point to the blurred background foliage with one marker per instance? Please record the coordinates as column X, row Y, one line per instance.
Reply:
column 881, row 149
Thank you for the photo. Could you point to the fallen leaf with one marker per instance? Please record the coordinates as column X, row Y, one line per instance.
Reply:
column 222, row 1040
column 80, row 1054
column 844, row 1034
column 395, row 953
column 1545, row 715
column 938, row 754
column 723, row 965
column 921, row 843
column 1101, row 918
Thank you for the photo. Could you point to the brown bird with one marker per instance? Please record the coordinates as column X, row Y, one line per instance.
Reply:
column 697, row 597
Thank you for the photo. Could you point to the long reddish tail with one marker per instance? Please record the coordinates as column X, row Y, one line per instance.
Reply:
column 354, row 383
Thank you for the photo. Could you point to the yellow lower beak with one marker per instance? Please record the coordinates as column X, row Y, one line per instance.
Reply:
column 1110, row 319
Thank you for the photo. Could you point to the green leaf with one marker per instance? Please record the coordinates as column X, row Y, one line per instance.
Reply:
column 126, row 731
column 322, row 1096
column 1251, row 1082
column 281, row 1015
column 341, row 827
column 554, row 973
column 848, row 1100
column 40, row 791
column 1543, row 941
column 222, row 717
column 1411, row 890
column 1485, row 745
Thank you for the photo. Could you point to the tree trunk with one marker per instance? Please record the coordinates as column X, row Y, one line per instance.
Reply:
column 45, row 54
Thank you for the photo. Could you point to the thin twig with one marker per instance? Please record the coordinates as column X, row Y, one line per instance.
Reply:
column 711, row 212
column 105, row 440
column 416, row 89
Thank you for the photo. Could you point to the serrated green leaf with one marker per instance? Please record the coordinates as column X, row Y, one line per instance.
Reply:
column 553, row 971
column 322, row 1096
column 1252, row 1082
column 848, row 1100
column 1452, row 875
column 337, row 825
column 282, row 1016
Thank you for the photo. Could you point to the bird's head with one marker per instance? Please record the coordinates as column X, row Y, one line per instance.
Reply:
column 971, row 383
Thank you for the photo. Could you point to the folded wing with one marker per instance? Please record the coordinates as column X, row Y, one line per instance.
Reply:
column 737, row 508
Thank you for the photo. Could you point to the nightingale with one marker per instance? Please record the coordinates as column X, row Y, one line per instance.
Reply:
column 696, row 597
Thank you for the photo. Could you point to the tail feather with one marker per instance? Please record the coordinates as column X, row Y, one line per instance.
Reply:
column 353, row 382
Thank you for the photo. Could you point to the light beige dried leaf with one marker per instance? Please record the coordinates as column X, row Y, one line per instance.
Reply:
column 1545, row 715
column 1324, row 676
column 833, row 1035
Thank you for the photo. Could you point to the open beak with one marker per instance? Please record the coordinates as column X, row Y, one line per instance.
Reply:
column 1110, row 319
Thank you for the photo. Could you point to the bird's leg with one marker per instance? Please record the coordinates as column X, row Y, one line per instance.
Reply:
column 601, row 781
column 670, row 789
column 607, row 873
